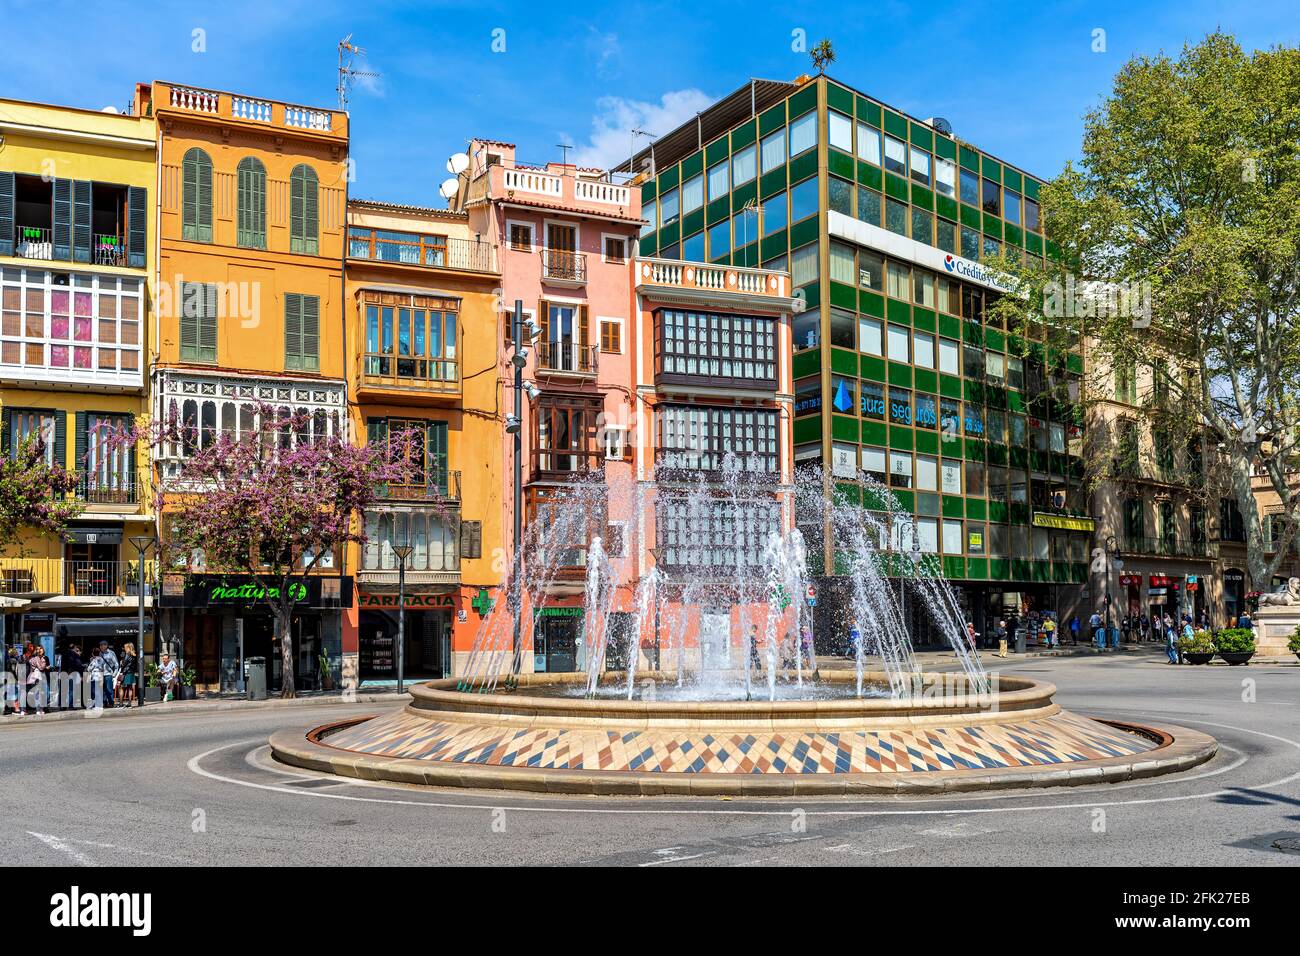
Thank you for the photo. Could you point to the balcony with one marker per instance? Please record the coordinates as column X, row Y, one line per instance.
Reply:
column 1167, row 547
column 40, row 578
column 381, row 370
column 82, row 221
column 567, row 465
column 417, row 249
column 694, row 283
column 228, row 106
column 566, row 358
column 443, row 486
column 557, row 186
column 102, row 492
column 565, row 268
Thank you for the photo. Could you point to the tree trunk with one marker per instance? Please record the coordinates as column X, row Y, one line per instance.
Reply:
column 284, row 629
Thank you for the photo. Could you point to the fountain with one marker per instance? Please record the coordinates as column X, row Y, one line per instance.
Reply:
column 719, row 688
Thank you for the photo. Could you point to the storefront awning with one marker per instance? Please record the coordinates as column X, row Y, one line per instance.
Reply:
column 102, row 628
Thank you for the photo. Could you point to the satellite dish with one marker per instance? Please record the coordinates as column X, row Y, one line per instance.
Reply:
column 449, row 187
column 457, row 164
column 941, row 124
column 110, row 109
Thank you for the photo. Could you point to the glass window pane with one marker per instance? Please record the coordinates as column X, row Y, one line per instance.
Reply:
column 868, row 144
column 803, row 200
column 840, row 131
column 744, row 166
column 772, row 151
column 803, row 133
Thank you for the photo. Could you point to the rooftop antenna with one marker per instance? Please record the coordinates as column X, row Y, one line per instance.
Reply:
column 564, row 152
column 348, row 52
column 631, row 171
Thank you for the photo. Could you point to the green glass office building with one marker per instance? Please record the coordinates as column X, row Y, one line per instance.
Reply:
column 902, row 373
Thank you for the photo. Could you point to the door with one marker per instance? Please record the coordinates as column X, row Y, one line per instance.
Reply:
column 90, row 570
column 561, row 645
column 715, row 643
column 202, row 648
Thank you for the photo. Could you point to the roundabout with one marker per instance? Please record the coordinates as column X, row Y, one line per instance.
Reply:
column 945, row 737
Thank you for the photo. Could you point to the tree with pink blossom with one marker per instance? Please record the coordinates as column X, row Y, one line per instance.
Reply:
column 271, row 504
column 34, row 493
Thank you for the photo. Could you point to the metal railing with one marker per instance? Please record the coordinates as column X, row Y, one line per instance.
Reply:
column 567, row 357
column 1168, row 546
column 416, row 249
column 566, row 464
column 33, row 242
column 106, row 489
column 73, row 578
column 566, row 266
column 438, row 485
column 437, row 374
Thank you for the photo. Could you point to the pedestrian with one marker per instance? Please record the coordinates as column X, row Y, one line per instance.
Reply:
column 94, row 685
column 70, row 672
column 1144, row 625
column 1244, row 620
column 1049, row 628
column 855, row 642
column 110, row 671
column 972, row 638
column 1095, row 623
column 15, row 668
column 127, row 674
column 167, row 672
column 37, row 669
column 1171, row 641
column 1000, row 629
column 1074, row 630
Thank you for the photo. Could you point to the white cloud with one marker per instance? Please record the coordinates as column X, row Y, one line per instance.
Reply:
column 616, row 117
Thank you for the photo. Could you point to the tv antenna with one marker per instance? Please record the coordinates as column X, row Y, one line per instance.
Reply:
column 564, row 152
column 348, row 52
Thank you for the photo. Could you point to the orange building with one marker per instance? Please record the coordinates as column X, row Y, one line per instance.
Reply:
column 249, row 291
column 422, row 360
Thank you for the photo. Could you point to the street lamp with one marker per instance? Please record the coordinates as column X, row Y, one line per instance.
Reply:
column 522, row 332
column 1108, row 549
column 142, row 543
column 403, row 552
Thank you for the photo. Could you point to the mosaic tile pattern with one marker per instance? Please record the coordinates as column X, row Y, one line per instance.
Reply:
column 1061, row 739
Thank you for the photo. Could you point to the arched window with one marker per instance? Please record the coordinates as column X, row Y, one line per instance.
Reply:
column 304, row 217
column 252, row 204
column 196, row 196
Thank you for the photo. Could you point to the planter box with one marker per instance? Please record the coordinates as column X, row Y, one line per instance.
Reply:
column 1199, row 658
column 152, row 695
column 1236, row 658
column 186, row 693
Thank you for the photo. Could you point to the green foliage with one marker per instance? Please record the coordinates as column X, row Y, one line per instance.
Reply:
column 34, row 494
column 152, row 674
column 1200, row 642
column 1294, row 643
column 823, row 55
column 188, row 676
column 1235, row 640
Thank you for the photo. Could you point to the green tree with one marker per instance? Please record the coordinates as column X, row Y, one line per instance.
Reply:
column 34, row 493
column 1187, row 201
column 823, row 55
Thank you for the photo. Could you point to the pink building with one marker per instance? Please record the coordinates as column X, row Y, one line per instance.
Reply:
column 566, row 236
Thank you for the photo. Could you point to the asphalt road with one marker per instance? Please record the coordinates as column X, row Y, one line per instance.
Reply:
column 199, row 789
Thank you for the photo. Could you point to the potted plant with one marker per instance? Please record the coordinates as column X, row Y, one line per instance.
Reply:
column 1236, row 645
column 1197, row 649
column 187, row 683
column 326, row 672
column 152, row 683
column 1293, row 645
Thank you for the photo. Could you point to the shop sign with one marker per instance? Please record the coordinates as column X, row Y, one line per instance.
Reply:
column 1130, row 580
column 413, row 601
column 1063, row 522
column 217, row 590
column 557, row 612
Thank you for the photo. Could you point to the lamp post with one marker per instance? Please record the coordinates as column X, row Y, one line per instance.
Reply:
column 142, row 543
column 522, row 332
column 403, row 552
column 1108, row 549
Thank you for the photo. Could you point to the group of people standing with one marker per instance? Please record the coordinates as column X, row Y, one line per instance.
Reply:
column 35, row 683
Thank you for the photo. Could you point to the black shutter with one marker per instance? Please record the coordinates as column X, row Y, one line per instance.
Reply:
column 436, row 449
column 471, row 539
column 62, row 219
column 79, row 463
column 81, row 205
column 6, row 214
column 137, row 211
column 61, row 438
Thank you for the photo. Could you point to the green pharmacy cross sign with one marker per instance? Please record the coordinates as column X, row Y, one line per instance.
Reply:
column 780, row 596
column 482, row 603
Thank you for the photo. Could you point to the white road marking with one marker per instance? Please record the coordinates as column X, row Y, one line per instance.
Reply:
column 668, row 855
column 194, row 765
column 64, row 846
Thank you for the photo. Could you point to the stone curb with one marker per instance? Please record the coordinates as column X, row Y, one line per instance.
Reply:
column 199, row 707
column 1180, row 749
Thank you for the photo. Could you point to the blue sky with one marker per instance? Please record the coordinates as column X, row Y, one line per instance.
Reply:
column 1012, row 77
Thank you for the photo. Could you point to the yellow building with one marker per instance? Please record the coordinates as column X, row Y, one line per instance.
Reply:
column 251, row 201
column 422, row 353
column 77, row 248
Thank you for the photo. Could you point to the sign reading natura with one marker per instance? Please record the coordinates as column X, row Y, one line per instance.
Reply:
column 245, row 593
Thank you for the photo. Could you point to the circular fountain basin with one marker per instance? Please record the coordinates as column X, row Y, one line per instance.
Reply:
column 545, row 736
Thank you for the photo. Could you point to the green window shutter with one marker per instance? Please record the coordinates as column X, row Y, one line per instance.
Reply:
column 62, row 219
column 208, row 325
column 190, row 320
column 471, row 539
column 61, row 439
column 311, row 213
column 296, row 203
column 196, row 197
column 304, row 219
column 82, row 440
column 81, row 206
column 252, row 204
column 436, row 440
column 6, row 214
column 292, row 330
column 310, row 333
column 137, row 227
